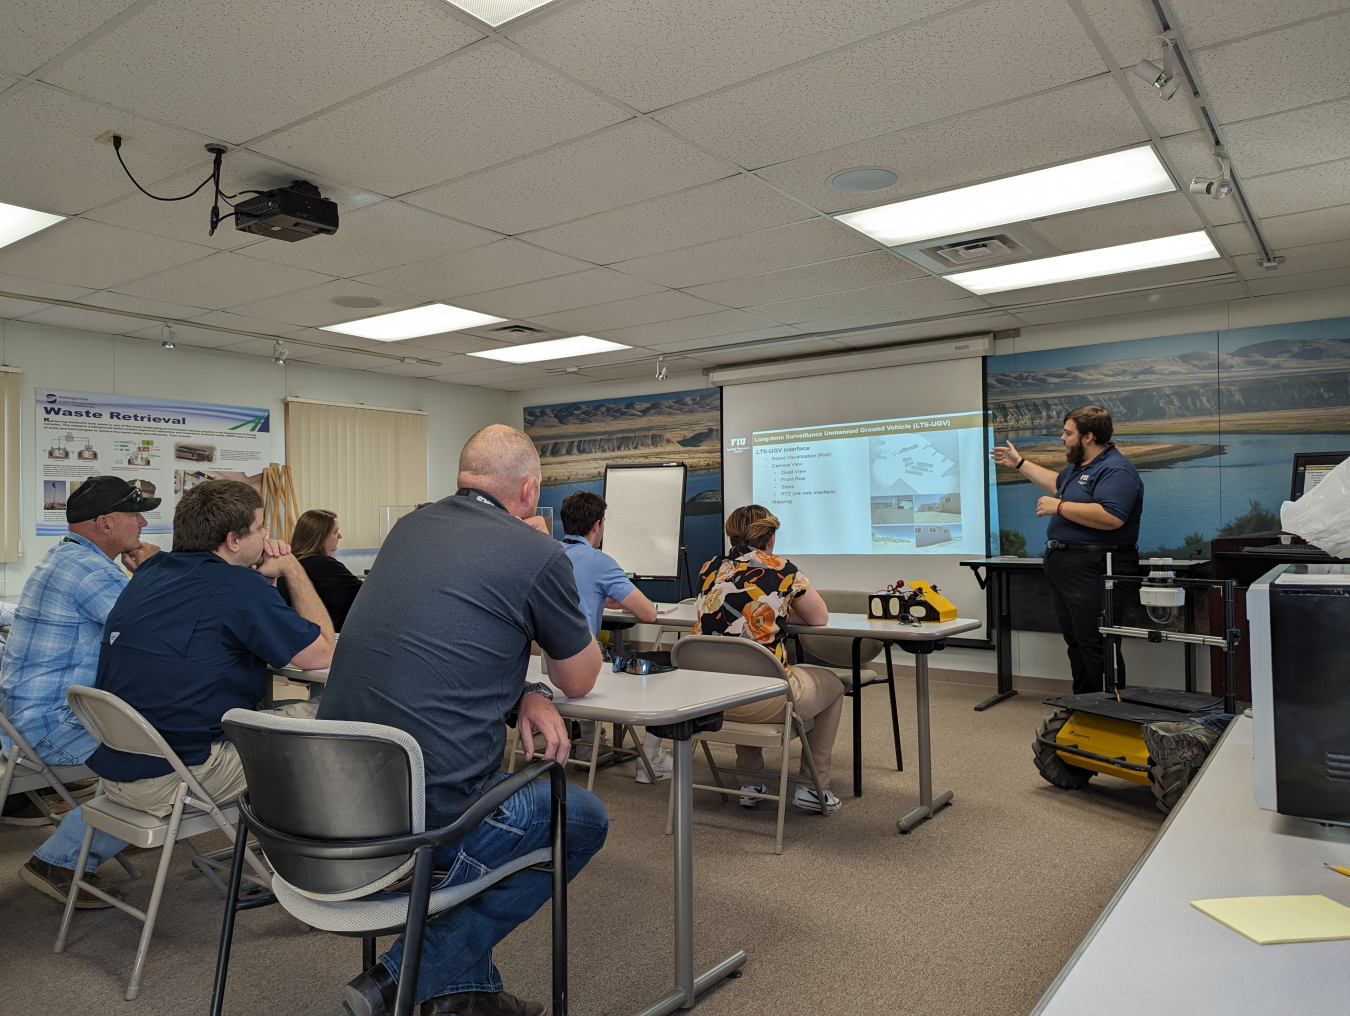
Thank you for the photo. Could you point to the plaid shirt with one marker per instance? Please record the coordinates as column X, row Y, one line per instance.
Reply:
column 54, row 640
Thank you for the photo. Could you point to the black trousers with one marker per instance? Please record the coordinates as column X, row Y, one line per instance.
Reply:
column 1075, row 577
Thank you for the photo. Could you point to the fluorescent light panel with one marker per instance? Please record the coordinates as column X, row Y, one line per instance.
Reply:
column 498, row 12
column 16, row 223
column 1089, row 264
column 1102, row 180
column 553, row 349
column 410, row 324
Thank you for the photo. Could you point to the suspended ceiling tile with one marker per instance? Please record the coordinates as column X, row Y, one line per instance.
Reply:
column 1301, row 137
column 1207, row 22
column 81, row 252
column 1278, row 71
column 51, row 162
column 223, row 280
column 38, row 30
column 1134, row 303
column 1297, row 260
column 84, row 320
column 244, row 67
column 801, row 243
column 860, row 272
column 700, row 327
column 1237, row 240
column 504, row 263
column 711, row 212
column 314, row 307
column 1304, row 228
column 1305, row 282
column 140, row 305
column 895, row 298
column 628, row 163
column 18, row 308
column 712, row 342
column 639, row 310
column 375, row 237
column 1297, row 190
column 1083, row 119
column 481, row 108
column 895, row 82
column 653, row 54
column 40, row 287
column 1177, row 115
column 1126, row 222
column 226, row 319
column 563, row 292
column 1128, row 28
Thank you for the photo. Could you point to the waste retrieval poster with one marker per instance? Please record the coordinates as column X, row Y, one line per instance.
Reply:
column 162, row 446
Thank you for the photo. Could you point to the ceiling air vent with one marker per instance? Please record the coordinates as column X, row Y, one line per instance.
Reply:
column 964, row 251
column 517, row 330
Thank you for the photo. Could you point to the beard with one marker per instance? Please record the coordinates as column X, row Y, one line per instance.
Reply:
column 1074, row 454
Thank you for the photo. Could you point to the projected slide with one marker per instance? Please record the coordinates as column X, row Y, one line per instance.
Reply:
column 903, row 486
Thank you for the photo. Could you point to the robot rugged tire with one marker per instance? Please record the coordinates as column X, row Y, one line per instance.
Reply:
column 1048, row 760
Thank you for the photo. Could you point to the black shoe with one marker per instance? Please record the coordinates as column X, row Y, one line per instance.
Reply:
column 370, row 994
column 55, row 882
column 479, row 1003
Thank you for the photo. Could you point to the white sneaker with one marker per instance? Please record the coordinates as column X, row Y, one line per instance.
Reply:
column 662, row 765
column 806, row 798
column 750, row 802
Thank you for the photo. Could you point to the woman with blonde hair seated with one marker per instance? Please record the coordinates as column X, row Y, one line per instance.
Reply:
column 753, row 594
column 314, row 542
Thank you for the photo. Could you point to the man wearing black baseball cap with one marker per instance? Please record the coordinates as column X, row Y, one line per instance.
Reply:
column 54, row 643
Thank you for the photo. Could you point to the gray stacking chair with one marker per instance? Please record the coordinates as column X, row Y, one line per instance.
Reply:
column 835, row 653
column 729, row 654
column 114, row 723
column 339, row 809
column 27, row 774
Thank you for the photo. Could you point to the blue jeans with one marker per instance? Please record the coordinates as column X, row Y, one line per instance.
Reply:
column 457, row 949
column 69, row 745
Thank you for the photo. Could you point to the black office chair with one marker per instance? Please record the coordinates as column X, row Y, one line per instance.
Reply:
column 338, row 808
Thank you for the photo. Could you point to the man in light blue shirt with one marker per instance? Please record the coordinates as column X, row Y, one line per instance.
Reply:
column 54, row 643
column 600, row 583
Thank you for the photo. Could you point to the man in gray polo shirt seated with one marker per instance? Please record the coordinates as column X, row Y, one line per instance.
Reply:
column 437, row 645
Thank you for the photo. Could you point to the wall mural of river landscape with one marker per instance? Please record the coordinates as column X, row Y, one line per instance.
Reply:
column 576, row 440
column 1211, row 420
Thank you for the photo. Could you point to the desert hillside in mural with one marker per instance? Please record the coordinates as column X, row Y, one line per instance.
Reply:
column 575, row 441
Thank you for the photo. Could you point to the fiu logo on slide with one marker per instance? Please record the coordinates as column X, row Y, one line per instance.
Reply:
column 738, row 442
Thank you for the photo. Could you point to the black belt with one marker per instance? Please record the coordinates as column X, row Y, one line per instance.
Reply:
column 1061, row 545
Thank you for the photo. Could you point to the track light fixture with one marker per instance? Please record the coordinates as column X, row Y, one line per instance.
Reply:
column 167, row 336
column 1165, row 78
column 1219, row 187
column 279, row 353
column 661, row 369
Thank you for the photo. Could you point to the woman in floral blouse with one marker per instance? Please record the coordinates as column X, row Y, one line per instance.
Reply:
column 753, row 594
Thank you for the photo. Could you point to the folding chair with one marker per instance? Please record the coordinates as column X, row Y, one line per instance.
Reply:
column 729, row 654
column 339, row 809
column 835, row 653
column 114, row 723
column 26, row 774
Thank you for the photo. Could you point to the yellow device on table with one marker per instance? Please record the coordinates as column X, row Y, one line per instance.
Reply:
column 945, row 608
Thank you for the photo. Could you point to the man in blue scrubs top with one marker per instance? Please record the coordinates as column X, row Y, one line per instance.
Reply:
column 1094, row 505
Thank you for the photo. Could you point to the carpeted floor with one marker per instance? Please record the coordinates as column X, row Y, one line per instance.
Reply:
column 973, row 913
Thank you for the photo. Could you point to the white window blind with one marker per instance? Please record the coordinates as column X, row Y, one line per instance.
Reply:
column 9, row 464
column 353, row 459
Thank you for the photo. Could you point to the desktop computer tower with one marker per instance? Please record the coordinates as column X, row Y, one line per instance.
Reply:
column 1299, row 617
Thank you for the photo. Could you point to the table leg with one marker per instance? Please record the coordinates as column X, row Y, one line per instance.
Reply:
column 928, row 804
column 687, row 986
column 1002, row 589
column 857, row 717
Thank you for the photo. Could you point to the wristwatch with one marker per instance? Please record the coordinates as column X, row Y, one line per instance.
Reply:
column 538, row 688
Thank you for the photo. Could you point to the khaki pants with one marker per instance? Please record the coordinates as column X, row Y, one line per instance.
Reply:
column 816, row 693
column 221, row 775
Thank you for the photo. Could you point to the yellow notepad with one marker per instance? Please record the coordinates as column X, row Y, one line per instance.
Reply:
column 1271, row 919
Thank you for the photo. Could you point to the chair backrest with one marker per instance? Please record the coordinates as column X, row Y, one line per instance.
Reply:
column 728, row 654
column 329, row 781
column 112, row 722
column 837, row 650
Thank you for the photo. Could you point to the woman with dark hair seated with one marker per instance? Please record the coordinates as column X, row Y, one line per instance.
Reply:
column 753, row 594
column 314, row 543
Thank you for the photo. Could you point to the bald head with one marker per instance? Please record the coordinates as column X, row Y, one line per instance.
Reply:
column 502, row 461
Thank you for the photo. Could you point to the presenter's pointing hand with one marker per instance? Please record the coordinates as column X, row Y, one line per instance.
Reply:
column 1006, row 455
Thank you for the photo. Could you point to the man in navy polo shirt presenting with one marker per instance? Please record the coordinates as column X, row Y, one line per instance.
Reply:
column 191, row 637
column 1094, row 505
column 437, row 645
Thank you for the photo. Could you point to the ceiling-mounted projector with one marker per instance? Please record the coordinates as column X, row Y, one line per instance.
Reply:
column 290, row 213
